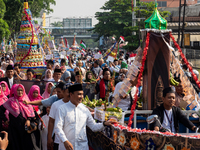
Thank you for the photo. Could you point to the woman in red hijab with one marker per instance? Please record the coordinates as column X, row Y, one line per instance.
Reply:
column 20, row 116
column 34, row 95
column 5, row 88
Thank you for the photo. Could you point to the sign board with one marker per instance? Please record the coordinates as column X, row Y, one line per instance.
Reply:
column 63, row 53
column 187, row 39
column 97, row 56
column 48, row 57
column 111, row 59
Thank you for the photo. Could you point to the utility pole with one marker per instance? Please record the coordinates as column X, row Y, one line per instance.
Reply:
column 133, row 16
column 179, row 23
column 183, row 24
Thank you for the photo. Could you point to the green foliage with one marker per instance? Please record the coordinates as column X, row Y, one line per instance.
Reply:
column 4, row 30
column 116, row 20
column 2, row 8
column 57, row 24
column 14, row 9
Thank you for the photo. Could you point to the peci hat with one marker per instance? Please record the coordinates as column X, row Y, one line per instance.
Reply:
column 9, row 67
column 75, row 87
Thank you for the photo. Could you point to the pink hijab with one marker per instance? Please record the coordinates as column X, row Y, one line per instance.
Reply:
column 47, row 79
column 7, row 92
column 2, row 74
column 12, row 90
column 15, row 104
column 3, row 97
column 46, row 94
column 30, row 95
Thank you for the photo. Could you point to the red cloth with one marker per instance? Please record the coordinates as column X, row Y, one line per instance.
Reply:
column 102, row 88
column 15, row 107
column 31, row 98
column 3, row 97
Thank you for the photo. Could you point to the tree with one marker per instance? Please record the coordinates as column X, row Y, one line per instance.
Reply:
column 116, row 20
column 14, row 9
column 4, row 28
column 57, row 24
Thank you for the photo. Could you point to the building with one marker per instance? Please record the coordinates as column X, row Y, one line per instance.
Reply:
column 171, row 3
column 79, row 26
column 191, row 25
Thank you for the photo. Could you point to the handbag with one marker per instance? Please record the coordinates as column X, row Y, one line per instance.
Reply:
column 33, row 124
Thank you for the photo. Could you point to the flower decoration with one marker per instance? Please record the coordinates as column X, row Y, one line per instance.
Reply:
column 139, row 79
column 150, row 145
column 185, row 60
column 135, row 144
column 184, row 148
column 169, row 147
column 115, row 136
column 122, row 139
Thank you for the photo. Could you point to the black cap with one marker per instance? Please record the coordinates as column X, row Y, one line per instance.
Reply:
column 168, row 90
column 9, row 67
column 75, row 87
column 57, row 70
column 60, row 85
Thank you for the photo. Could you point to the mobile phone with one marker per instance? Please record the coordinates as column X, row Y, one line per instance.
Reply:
column 2, row 135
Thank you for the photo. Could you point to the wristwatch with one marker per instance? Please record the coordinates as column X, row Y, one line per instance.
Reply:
column 104, row 123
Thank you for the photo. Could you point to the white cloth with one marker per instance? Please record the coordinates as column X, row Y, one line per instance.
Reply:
column 10, row 81
column 44, row 132
column 115, row 69
column 70, row 124
column 52, row 80
column 52, row 114
column 166, row 123
column 124, row 103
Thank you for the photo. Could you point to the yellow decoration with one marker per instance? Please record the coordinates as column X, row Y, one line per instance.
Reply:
column 135, row 144
column 26, row 5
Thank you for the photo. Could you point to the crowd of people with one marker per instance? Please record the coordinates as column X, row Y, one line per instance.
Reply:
column 54, row 117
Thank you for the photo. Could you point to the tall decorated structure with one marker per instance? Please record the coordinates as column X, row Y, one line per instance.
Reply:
column 29, row 53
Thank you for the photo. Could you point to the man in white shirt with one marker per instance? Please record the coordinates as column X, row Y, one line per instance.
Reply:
column 44, row 130
column 9, row 79
column 71, row 121
column 52, row 115
column 169, row 115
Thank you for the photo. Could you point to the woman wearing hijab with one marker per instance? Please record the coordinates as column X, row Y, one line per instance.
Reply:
column 48, row 75
column 12, row 90
column 66, row 77
column 20, row 116
column 56, row 66
column 1, row 74
column 63, row 69
column 5, row 88
column 90, row 78
column 34, row 95
column 90, row 85
column 47, row 91
column 53, row 90
column 3, row 99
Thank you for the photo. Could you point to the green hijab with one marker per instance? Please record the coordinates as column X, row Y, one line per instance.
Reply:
column 90, row 80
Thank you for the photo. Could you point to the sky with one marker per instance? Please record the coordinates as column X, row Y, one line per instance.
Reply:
column 75, row 8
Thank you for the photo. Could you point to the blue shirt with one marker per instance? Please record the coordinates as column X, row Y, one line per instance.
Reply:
column 49, row 101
